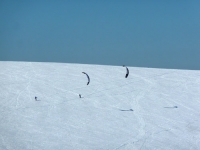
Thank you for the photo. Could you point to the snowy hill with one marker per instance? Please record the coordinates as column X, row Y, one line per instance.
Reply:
column 151, row 109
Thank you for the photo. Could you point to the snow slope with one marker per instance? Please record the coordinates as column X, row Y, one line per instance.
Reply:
column 151, row 109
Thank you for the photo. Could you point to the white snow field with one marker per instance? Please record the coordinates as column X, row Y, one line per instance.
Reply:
column 151, row 109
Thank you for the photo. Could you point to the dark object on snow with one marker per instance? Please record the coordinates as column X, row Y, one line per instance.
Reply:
column 172, row 107
column 87, row 77
column 127, row 110
column 35, row 98
column 79, row 95
column 127, row 71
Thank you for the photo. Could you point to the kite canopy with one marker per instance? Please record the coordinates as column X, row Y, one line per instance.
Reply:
column 87, row 77
column 127, row 71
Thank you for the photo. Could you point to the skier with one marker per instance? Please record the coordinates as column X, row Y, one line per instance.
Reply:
column 35, row 98
column 79, row 95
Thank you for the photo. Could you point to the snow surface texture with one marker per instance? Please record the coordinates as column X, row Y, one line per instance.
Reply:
column 151, row 109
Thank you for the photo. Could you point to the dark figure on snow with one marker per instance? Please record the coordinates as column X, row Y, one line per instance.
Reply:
column 35, row 98
column 79, row 95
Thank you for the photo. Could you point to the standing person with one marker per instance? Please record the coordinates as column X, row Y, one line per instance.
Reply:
column 35, row 98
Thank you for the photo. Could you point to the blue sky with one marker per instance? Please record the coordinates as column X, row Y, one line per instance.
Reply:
column 135, row 33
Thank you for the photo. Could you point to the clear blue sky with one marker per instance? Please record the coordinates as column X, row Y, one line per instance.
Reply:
column 135, row 33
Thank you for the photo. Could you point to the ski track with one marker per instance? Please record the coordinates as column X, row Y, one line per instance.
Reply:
column 142, row 131
column 27, row 86
column 142, row 125
column 137, row 113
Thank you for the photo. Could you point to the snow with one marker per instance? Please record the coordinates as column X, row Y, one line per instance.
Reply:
column 151, row 109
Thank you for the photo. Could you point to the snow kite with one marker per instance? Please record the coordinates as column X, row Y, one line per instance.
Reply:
column 127, row 71
column 87, row 77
